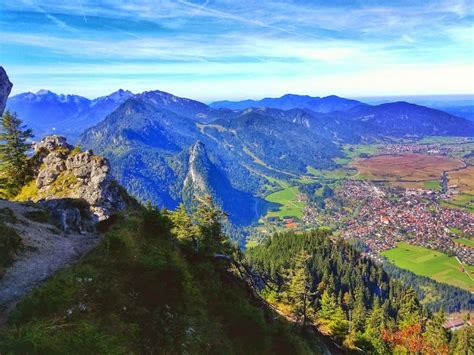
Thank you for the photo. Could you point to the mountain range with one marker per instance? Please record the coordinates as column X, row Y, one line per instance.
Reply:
column 290, row 101
column 166, row 149
column 49, row 113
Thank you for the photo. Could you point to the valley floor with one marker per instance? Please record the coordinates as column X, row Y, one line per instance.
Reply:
column 384, row 194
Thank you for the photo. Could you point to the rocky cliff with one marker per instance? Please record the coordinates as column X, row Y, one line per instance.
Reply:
column 196, row 182
column 63, row 172
column 5, row 88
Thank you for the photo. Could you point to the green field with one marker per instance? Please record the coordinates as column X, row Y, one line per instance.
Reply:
column 352, row 151
column 431, row 185
column 287, row 198
column 441, row 139
column 468, row 242
column 462, row 200
column 336, row 174
column 431, row 263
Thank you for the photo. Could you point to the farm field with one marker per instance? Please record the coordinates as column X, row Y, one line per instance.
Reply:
column 416, row 167
column 287, row 198
column 431, row 263
column 468, row 242
column 464, row 179
column 462, row 200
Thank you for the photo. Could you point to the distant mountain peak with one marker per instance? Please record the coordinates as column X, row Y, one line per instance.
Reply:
column 44, row 92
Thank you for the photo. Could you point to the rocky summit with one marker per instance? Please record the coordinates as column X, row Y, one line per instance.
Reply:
column 63, row 172
column 5, row 88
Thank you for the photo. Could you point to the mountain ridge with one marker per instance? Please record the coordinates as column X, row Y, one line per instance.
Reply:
column 290, row 101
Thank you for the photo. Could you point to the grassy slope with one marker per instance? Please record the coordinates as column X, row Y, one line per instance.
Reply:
column 290, row 206
column 139, row 292
column 431, row 263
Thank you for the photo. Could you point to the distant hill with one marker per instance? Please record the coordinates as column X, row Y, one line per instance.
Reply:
column 290, row 101
column 466, row 111
column 49, row 113
column 405, row 119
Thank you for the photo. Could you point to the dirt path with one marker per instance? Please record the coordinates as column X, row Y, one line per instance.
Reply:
column 46, row 250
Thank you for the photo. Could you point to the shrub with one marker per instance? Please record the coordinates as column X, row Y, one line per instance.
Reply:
column 41, row 216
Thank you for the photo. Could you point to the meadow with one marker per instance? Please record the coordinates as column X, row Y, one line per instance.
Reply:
column 352, row 151
column 288, row 199
column 431, row 263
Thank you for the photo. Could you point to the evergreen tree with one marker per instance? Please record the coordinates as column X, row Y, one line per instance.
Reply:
column 331, row 315
column 462, row 342
column 209, row 221
column 13, row 158
column 376, row 322
column 435, row 335
column 358, row 312
column 183, row 227
column 410, row 310
column 299, row 287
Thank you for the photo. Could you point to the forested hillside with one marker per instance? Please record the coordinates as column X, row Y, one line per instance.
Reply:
column 328, row 283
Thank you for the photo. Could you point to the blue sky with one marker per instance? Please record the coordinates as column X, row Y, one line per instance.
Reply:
column 212, row 49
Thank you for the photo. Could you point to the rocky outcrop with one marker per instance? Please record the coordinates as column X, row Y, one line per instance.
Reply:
column 199, row 168
column 5, row 88
column 64, row 172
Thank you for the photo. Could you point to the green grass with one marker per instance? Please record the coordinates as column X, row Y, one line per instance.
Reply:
column 352, row 151
column 468, row 242
column 336, row 174
column 440, row 139
column 430, row 263
column 463, row 200
column 431, row 185
column 287, row 198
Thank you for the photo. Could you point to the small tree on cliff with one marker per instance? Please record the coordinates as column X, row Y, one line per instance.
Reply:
column 13, row 159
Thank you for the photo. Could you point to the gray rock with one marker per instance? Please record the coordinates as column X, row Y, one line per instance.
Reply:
column 46, row 177
column 51, row 143
column 87, row 175
column 5, row 88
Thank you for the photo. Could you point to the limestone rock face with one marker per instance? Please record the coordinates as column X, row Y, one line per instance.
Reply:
column 5, row 88
column 65, row 172
column 51, row 143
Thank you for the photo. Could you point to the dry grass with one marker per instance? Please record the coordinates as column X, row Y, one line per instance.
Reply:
column 412, row 167
column 464, row 179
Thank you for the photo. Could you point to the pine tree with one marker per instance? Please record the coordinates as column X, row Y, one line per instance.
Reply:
column 410, row 310
column 208, row 218
column 435, row 334
column 13, row 158
column 358, row 312
column 376, row 322
column 183, row 227
column 299, row 288
column 331, row 315
column 462, row 342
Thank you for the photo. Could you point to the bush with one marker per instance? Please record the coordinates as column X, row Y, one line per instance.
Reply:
column 7, row 216
column 41, row 216
column 10, row 243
